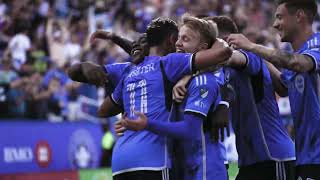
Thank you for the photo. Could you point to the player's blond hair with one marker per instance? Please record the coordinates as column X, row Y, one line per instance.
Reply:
column 208, row 29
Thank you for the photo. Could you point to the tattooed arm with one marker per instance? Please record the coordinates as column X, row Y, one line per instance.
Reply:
column 291, row 61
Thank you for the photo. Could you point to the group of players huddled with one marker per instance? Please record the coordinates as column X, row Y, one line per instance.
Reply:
column 186, row 81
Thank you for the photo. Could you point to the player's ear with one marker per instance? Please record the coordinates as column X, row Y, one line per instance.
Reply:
column 300, row 14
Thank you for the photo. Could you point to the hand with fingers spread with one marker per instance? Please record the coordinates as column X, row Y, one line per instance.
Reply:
column 179, row 90
column 101, row 34
column 119, row 128
column 132, row 124
column 220, row 121
column 239, row 41
column 118, row 125
column 220, row 117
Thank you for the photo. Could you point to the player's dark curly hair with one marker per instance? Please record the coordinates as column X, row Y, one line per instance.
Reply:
column 308, row 6
column 159, row 29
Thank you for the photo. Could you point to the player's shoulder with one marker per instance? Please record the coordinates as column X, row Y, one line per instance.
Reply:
column 204, row 79
column 316, row 37
column 176, row 55
column 121, row 64
column 313, row 43
column 249, row 55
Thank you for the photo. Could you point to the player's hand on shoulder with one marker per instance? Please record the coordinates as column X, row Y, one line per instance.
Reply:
column 239, row 41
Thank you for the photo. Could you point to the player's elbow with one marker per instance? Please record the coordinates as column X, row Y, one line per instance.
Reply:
column 101, row 113
column 299, row 66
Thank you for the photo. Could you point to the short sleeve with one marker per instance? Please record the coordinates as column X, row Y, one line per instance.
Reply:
column 315, row 56
column 219, row 74
column 203, row 91
column 285, row 78
column 177, row 65
column 253, row 65
column 115, row 71
column 116, row 96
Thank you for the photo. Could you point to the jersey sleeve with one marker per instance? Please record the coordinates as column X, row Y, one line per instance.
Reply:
column 188, row 129
column 253, row 65
column 203, row 91
column 285, row 78
column 219, row 74
column 116, row 96
column 115, row 71
column 177, row 65
column 315, row 56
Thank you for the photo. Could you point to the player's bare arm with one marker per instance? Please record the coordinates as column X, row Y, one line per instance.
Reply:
column 237, row 60
column 179, row 91
column 217, row 54
column 108, row 108
column 124, row 43
column 88, row 72
column 291, row 61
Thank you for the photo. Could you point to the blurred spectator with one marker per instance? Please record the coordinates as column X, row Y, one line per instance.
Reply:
column 7, row 75
column 20, row 44
column 57, row 35
column 41, row 38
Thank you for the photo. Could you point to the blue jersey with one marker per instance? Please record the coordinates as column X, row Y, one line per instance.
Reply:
column 203, row 158
column 304, row 96
column 115, row 72
column 143, row 89
column 219, row 74
column 260, row 134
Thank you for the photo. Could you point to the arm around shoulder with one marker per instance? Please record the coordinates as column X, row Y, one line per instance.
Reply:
column 217, row 54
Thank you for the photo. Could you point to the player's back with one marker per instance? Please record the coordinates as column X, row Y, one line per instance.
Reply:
column 143, row 89
column 260, row 134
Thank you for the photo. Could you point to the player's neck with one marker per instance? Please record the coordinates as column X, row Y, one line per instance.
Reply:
column 157, row 51
column 301, row 37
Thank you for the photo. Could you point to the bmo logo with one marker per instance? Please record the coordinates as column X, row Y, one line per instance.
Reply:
column 17, row 154
column 42, row 154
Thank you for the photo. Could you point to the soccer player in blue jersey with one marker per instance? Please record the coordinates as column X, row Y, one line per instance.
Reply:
column 143, row 154
column 299, row 80
column 202, row 158
column 264, row 147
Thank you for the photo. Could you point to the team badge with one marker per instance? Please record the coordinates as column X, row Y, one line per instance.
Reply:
column 299, row 83
column 204, row 92
column 227, row 76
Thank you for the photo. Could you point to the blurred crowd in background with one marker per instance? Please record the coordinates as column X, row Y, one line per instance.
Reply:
column 40, row 39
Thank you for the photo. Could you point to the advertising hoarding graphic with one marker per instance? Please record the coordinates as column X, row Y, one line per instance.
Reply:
column 43, row 154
